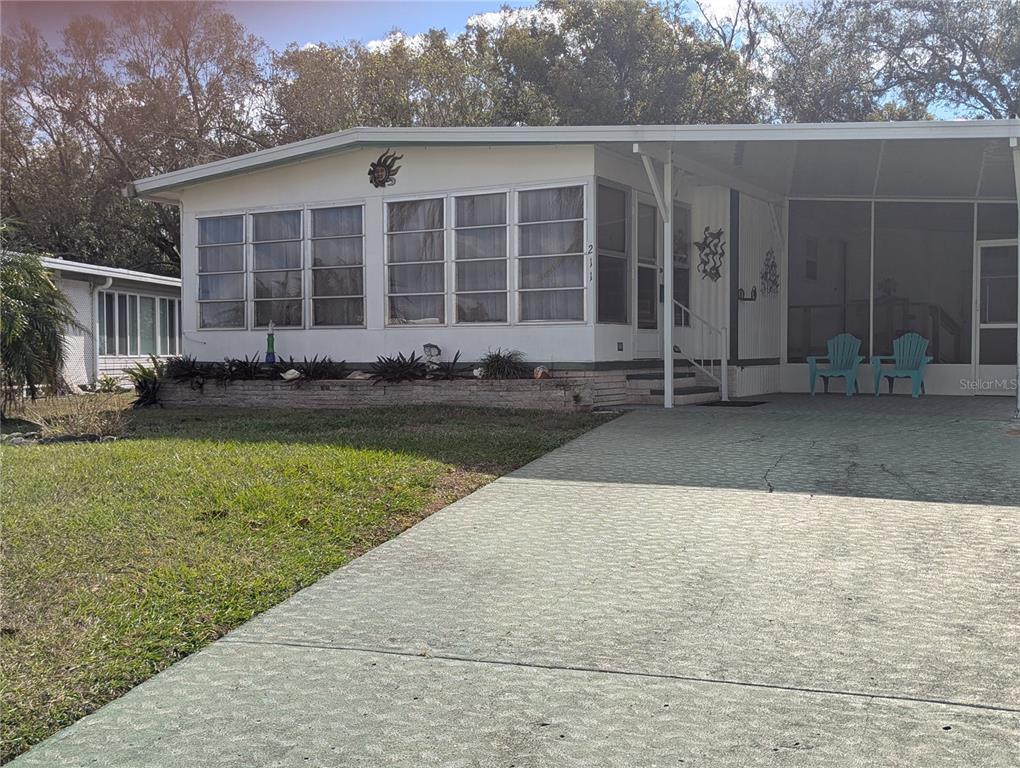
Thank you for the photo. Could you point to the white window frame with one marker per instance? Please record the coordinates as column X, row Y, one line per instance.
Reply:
column 244, row 271
column 302, row 268
column 444, row 263
column 586, row 255
column 136, row 337
column 507, row 229
column 310, row 288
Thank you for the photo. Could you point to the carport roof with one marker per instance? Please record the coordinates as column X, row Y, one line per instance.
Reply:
column 930, row 159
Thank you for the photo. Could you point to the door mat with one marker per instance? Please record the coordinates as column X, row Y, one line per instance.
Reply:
column 732, row 403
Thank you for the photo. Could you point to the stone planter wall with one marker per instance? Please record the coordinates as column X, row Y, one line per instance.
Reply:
column 570, row 391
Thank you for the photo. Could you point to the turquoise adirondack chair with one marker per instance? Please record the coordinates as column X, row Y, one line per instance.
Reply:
column 909, row 361
column 843, row 360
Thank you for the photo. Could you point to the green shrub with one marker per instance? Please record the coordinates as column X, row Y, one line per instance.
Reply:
column 450, row 369
column 508, row 364
column 312, row 370
column 394, row 370
column 147, row 380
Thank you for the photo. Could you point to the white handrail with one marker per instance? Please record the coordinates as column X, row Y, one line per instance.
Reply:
column 721, row 335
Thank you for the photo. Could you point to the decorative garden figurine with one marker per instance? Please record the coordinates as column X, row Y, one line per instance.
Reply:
column 271, row 344
column 432, row 354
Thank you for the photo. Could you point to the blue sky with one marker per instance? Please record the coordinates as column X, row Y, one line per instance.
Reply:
column 280, row 22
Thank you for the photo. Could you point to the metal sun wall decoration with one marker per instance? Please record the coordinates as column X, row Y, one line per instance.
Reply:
column 711, row 252
column 769, row 273
column 383, row 172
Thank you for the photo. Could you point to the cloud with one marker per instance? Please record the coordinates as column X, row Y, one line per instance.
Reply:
column 494, row 19
column 414, row 42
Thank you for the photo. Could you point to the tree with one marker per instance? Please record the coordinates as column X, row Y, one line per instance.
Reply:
column 838, row 60
column 964, row 54
column 159, row 87
column 823, row 62
column 34, row 314
column 625, row 61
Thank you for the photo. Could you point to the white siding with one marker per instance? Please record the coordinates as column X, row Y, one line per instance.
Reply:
column 757, row 380
column 758, row 321
column 710, row 209
column 343, row 179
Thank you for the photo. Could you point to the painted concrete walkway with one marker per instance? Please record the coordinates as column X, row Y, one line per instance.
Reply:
column 824, row 582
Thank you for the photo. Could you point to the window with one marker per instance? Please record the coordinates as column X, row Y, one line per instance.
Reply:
column 416, row 260
column 221, row 272
column 923, row 276
column 131, row 325
column 996, row 221
column 147, row 325
column 681, row 263
column 647, row 267
column 277, row 275
column 338, row 278
column 169, row 325
column 998, row 305
column 550, row 251
column 613, row 286
column 833, row 296
column 480, row 258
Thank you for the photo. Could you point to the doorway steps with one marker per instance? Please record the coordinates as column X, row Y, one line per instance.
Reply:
column 645, row 388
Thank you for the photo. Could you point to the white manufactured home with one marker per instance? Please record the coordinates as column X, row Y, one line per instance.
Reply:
column 735, row 250
column 122, row 317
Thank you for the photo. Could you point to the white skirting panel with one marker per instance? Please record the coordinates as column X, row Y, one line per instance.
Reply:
column 757, row 380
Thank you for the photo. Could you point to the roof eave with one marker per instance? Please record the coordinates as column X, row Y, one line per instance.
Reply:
column 152, row 187
column 77, row 267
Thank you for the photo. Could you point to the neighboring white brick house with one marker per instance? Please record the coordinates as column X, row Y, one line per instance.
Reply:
column 123, row 316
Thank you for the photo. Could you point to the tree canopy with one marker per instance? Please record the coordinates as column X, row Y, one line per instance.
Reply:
column 161, row 86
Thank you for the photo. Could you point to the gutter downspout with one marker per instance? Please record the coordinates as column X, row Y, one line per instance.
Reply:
column 1014, row 144
column 94, row 289
column 667, row 279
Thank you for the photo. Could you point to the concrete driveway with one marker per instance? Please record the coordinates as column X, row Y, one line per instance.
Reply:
column 826, row 582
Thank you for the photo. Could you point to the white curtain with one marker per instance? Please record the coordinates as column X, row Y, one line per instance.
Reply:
column 337, row 222
column 221, row 229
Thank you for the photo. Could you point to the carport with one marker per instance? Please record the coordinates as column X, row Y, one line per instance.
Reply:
column 885, row 228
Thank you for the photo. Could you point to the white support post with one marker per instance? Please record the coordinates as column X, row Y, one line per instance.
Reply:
column 724, row 369
column 1014, row 144
column 667, row 279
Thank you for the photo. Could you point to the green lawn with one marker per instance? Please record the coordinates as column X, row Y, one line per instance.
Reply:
column 120, row 558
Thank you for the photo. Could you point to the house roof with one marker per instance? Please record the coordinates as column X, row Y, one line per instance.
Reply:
column 687, row 136
column 77, row 267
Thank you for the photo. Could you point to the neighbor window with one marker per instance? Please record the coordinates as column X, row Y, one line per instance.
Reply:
column 550, row 251
column 338, row 278
column 130, row 326
column 480, row 258
column 221, row 272
column 276, row 268
column 416, row 260
column 612, row 220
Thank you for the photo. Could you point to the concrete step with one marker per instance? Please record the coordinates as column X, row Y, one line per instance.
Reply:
column 678, row 400
column 681, row 374
column 685, row 390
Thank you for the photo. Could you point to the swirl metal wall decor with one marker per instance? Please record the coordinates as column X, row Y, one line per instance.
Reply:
column 769, row 274
column 711, row 253
column 383, row 172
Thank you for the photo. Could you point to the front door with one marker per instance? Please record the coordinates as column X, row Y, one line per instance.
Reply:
column 997, row 317
column 648, row 333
